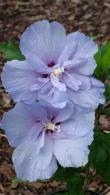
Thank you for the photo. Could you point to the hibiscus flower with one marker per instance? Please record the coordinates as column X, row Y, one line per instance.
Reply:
column 57, row 68
column 44, row 135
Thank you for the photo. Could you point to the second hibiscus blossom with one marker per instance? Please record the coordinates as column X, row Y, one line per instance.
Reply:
column 57, row 68
column 43, row 135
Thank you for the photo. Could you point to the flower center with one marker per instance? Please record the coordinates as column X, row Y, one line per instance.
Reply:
column 51, row 127
column 51, row 64
column 58, row 71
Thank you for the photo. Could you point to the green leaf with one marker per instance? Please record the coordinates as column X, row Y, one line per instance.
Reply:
column 107, row 92
column 99, row 157
column 65, row 174
column 63, row 192
column 95, row 37
column 103, row 62
column 75, row 185
column 72, row 177
column 105, row 111
column 11, row 51
column 17, row 180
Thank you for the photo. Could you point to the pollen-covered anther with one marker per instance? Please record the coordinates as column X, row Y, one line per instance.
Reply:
column 58, row 71
column 52, row 127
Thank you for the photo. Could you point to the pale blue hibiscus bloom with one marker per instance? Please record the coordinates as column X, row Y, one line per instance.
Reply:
column 57, row 67
column 44, row 135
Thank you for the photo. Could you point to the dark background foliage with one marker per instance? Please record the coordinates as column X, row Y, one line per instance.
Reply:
column 93, row 18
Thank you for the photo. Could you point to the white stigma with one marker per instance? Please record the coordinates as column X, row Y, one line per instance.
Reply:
column 58, row 71
column 52, row 127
